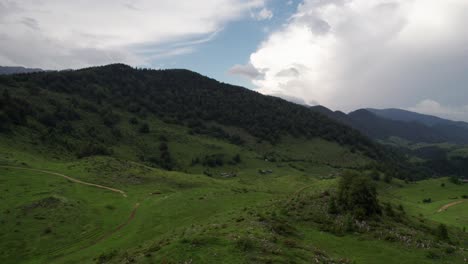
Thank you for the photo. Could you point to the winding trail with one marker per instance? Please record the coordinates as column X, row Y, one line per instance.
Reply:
column 110, row 233
column 447, row 206
column 69, row 178
column 117, row 229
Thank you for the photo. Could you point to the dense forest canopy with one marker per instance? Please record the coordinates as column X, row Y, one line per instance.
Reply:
column 183, row 97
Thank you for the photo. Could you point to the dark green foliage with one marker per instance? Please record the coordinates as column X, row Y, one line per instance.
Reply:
column 449, row 250
column 144, row 128
column 6, row 96
column 48, row 119
column 388, row 209
column 133, row 121
column 456, row 166
column 195, row 161
column 109, row 118
column 455, row 180
column 282, row 227
column 13, row 111
column 47, row 230
column 397, row 166
column 332, row 207
column 401, row 208
column 432, row 255
column 349, row 223
column 163, row 147
column 388, row 178
column 236, row 159
column 93, row 149
column 215, row 160
column 198, row 127
column 357, row 195
column 165, row 159
column 116, row 132
column 427, row 200
column 3, row 120
column 430, row 153
column 375, row 175
column 106, row 257
column 442, row 232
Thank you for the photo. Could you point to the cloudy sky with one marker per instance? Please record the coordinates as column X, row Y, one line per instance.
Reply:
column 344, row 54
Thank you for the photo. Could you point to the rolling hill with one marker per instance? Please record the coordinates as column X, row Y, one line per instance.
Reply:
column 60, row 104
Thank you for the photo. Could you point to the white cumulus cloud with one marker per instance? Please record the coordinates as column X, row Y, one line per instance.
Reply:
column 431, row 107
column 61, row 34
column 347, row 54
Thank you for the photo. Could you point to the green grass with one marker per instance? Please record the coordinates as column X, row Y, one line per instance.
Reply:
column 411, row 197
column 32, row 229
column 459, row 152
column 187, row 215
column 181, row 200
column 369, row 251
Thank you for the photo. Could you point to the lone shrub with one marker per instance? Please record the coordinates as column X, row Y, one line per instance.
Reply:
column 442, row 232
column 358, row 195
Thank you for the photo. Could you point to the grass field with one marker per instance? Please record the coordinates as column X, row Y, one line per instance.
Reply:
column 441, row 192
column 189, row 217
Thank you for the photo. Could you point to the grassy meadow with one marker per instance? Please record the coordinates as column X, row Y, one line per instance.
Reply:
column 195, row 216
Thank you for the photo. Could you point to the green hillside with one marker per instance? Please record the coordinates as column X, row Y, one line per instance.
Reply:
column 119, row 165
column 276, row 217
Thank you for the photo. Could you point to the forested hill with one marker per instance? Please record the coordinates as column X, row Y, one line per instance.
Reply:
column 176, row 96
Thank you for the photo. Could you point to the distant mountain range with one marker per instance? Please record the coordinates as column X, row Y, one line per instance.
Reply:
column 5, row 70
column 408, row 116
column 415, row 127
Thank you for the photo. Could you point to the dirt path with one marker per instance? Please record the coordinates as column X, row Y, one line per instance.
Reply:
column 70, row 179
column 117, row 229
column 447, row 206
column 297, row 192
column 140, row 165
column 110, row 233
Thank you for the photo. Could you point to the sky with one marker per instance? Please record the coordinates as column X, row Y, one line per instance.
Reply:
column 343, row 54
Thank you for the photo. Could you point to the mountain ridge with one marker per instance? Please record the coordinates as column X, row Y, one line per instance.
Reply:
column 8, row 70
column 409, row 116
column 382, row 124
